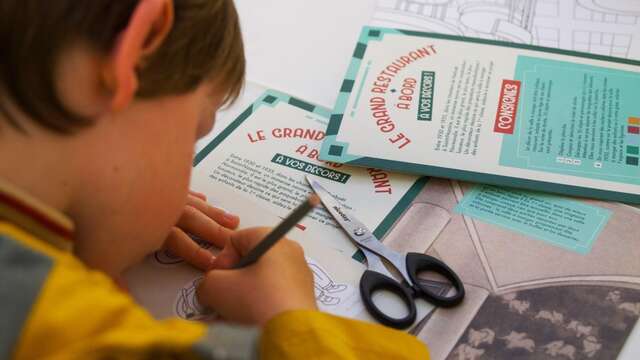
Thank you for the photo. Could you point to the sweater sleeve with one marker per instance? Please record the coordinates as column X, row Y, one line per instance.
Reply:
column 312, row 334
column 69, row 311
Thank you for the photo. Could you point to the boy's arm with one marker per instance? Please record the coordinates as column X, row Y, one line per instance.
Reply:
column 316, row 335
column 266, row 293
column 310, row 334
column 73, row 312
column 54, row 307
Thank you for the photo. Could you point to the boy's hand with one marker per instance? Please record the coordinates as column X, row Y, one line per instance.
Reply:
column 281, row 280
column 204, row 221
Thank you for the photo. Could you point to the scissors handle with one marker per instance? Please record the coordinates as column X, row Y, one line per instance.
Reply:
column 417, row 263
column 372, row 281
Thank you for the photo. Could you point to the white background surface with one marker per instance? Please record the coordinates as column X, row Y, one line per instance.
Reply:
column 302, row 47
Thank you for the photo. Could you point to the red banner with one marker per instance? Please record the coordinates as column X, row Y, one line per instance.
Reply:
column 507, row 107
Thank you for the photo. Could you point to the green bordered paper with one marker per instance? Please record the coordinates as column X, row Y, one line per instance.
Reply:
column 266, row 153
column 492, row 112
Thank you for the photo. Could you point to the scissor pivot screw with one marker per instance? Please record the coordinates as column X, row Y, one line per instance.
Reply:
column 359, row 231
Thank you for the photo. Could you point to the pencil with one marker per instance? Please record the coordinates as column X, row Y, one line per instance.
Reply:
column 278, row 232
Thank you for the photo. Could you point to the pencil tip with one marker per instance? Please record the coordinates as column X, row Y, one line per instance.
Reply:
column 314, row 200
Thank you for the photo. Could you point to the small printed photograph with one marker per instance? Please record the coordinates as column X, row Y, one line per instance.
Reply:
column 553, row 323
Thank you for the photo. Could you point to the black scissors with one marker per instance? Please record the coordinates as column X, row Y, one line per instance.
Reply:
column 377, row 277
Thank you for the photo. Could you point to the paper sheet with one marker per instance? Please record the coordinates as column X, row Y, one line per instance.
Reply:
column 605, row 27
column 474, row 110
column 268, row 151
column 332, row 296
column 165, row 285
column 560, row 221
column 310, row 62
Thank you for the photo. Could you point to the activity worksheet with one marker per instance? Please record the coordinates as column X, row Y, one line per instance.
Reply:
column 490, row 111
column 269, row 149
column 256, row 168
column 166, row 285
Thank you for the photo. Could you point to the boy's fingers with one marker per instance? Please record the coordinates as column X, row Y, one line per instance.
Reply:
column 198, row 195
column 247, row 239
column 223, row 218
column 182, row 245
column 240, row 243
column 216, row 283
column 228, row 257
column 197, row 223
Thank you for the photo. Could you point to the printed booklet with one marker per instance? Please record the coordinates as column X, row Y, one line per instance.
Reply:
column 491, row 112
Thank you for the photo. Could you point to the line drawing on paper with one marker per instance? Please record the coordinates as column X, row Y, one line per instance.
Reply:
column 604, row 27
column 326, row 289
column 331, row 295
column 602, row 43
column 613, row 12
column 187, row 305
column 166, row 257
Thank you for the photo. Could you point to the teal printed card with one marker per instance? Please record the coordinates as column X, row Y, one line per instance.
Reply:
column 566, row 223
column 489, row 112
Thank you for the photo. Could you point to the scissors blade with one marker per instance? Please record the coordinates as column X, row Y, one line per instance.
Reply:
column 357, row 231
column 341, row 214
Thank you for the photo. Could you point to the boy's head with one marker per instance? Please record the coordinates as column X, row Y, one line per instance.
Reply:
column 113, row 95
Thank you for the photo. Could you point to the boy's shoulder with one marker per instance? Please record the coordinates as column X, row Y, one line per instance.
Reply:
column 33, row 224
column 24, row 268
column 51, row 301
column 24, row 245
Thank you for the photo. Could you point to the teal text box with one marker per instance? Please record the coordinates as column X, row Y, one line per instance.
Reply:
column 562, row 222
column 572, row 120
column 310, row 168
column 427, row 86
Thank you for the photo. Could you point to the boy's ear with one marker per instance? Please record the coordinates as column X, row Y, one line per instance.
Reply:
column 148, row 27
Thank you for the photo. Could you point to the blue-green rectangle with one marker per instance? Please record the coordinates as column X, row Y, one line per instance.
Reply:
column 572, row 120
column 632, row 139
column 425, row 105
column 310, row 168
column 562, row 222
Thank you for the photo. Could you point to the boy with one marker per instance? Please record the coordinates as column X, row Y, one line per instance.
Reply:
column 101, row 103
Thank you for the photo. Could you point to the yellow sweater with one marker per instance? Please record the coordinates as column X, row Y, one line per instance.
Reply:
column 53, row 307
